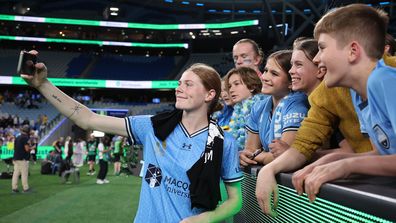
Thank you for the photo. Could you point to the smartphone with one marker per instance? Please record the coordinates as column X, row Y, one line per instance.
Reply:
column 26, row 63
column 256, row 153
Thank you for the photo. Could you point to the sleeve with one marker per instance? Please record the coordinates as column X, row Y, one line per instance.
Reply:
column 252, row 122
column 137, row 127
column 230, row 170
column 294, row 113
column 317, row 127
column 356, row 101
column 386, row 91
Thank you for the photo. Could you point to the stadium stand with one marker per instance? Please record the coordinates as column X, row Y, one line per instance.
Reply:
column 116, row 67
column 222, row 62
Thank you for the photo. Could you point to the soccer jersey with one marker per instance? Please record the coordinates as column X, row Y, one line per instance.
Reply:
column 223, row 117
column 377, row 115
column 287, row 116
column 103, row 155
column 91, row 148
column 165, row 195
column 117, row 146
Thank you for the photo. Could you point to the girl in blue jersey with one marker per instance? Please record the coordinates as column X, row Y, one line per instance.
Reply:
column 306, row 76
column 185, row 152
column 278, row 116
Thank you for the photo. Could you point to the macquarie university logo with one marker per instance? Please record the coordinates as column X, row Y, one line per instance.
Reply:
column 153, row 176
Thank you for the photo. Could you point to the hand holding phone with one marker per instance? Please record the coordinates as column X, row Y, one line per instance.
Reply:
column 26, row 63
column 256, row 153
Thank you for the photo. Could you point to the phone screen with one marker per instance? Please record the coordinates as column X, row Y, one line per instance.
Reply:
column 26, row 63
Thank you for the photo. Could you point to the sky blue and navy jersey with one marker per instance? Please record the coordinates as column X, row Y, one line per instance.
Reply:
column 377, row 115
column 287, row 116
column 165, row 195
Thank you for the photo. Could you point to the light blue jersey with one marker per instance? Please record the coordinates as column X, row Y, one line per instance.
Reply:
column 165, row 195
column 223, row 117
column 288, row 116
column 377, row 115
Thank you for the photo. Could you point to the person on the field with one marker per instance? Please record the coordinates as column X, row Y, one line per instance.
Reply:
column 185, row 152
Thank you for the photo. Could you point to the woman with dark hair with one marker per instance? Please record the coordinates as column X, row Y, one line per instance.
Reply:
column 276, row 117
column 306, row 77
column 185, row 153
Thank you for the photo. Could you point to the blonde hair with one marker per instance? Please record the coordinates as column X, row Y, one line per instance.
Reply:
column 255, row 47
column 210, row 80
column 359, row 22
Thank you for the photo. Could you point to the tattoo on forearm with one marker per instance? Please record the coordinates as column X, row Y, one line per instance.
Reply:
column 76, row 109
column 57, row 98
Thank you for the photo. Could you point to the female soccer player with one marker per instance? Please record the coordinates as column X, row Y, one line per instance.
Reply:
column 185, row 153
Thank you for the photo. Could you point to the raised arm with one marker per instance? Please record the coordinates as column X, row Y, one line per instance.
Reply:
column 75, row 111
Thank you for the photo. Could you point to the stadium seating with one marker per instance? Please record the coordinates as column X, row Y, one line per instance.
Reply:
column 222, row 62
column 116, row 67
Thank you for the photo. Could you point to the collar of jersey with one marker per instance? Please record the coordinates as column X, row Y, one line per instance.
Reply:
column 193, row 134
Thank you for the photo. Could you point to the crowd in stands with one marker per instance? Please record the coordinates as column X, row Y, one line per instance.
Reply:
column 10, row 124
column 26, row 99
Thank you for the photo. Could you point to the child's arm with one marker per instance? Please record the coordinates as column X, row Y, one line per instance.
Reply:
column 279, row 146
column 252, row 145
column 367, row 165
column 227, row 209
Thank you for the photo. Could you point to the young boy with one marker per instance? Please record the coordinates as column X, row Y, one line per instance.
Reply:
column 351, row 43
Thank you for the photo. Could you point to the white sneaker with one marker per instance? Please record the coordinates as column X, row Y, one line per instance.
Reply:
column 106, row 181
column 99, row 181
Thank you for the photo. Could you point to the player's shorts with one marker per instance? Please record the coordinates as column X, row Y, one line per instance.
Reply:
column 91, row 157
column 116, row 157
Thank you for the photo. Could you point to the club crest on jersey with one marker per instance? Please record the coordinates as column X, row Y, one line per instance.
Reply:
column 382, row 138
column 153, row 176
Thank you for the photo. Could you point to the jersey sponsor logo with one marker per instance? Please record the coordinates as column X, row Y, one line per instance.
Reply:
column 153, row 176
column 177, row 187
column 186, row 147
column 382, row 137
column 293, row 118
